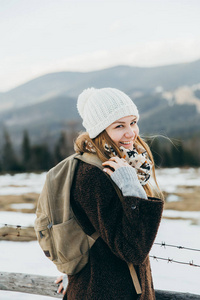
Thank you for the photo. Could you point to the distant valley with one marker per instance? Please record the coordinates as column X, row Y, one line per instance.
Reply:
column 167, row 97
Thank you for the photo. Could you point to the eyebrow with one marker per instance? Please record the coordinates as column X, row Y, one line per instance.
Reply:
column 121, row 122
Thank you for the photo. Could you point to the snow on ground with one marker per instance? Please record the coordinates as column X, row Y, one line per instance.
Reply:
column 27, row 219
column 170, row 180
column 21, row 183
column 172, row 276
column 24, row 257
column 16, row 218
column 27, row 257
column 182, row 214
column 22, row 206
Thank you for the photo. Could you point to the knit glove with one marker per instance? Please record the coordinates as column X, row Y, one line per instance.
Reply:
column 127, row 181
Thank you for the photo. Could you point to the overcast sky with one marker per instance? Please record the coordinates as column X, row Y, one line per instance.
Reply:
column 42, row 36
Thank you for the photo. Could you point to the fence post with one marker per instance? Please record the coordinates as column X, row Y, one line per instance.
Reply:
column 29, row 283
column 168, row 295
column 44, row 285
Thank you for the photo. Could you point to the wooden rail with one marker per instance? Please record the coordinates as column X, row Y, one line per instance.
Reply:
column 44, row 285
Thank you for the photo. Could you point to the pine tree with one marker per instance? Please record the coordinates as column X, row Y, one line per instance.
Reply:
column 61, row 150
column 9, row 159
column 178, row 158
column 26, row 151
column 41, row 158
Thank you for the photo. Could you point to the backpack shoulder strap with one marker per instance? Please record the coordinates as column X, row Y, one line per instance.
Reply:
column 59, row 180
column 93, row 159
column 90, row 158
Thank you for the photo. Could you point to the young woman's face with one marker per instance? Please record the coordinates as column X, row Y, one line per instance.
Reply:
column 124, row 131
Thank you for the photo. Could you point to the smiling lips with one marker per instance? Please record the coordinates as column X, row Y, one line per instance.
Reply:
column 126, row 143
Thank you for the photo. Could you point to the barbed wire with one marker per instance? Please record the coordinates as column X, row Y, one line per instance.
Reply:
column 163, row 244
column 171, row 260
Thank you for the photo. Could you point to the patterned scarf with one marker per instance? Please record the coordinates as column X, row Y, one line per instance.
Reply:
column 139, row 161
column 137, row 158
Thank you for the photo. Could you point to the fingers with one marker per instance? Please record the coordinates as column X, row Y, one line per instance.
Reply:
column 59, row 279
column 108, row 171
column 63, row 292
column 110, row 164
column 60, row 288
column 120, row 161
column 113, row 164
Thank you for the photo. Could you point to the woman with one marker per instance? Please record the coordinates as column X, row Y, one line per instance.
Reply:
column 127, row 228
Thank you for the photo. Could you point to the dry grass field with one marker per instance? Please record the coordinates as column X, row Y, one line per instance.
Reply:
column 189, row 201
column 12, row 233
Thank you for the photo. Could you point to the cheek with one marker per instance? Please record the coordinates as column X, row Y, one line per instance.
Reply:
column 114, row 135
column 137, row 131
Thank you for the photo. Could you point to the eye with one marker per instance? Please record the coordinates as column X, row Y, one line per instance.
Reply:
column 119, row 126
column 133, row 122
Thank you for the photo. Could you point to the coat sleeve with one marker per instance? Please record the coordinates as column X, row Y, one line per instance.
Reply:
column 129, row 227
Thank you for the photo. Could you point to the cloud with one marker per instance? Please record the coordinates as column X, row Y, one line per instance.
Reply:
column 144, row 55
column 115, row 26
column 148, row 54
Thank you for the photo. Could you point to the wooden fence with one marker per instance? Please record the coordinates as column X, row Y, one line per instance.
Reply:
column 44, row 285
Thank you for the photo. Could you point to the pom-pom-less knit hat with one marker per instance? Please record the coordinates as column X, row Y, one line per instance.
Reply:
column 101, row 107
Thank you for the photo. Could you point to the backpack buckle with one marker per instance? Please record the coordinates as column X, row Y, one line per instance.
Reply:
column 49, row 225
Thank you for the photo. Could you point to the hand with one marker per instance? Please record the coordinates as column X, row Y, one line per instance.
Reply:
column 63, row 284
column 114, row 163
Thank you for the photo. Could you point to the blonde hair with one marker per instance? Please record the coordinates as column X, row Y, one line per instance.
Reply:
column 84, row 144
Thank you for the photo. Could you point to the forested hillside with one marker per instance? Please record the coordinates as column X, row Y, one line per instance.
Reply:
column 168, row 99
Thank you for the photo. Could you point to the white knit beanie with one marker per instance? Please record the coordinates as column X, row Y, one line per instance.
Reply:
column 101, row 107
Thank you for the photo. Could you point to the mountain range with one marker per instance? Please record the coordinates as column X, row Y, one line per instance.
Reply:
column 168, row 99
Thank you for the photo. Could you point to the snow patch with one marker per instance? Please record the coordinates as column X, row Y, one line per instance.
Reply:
column 22, row 205
column 16, row 218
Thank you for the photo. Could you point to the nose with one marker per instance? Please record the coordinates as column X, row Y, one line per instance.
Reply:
column 129, row 133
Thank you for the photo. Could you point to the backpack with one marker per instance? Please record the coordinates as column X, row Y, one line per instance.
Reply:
column 59, row 233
